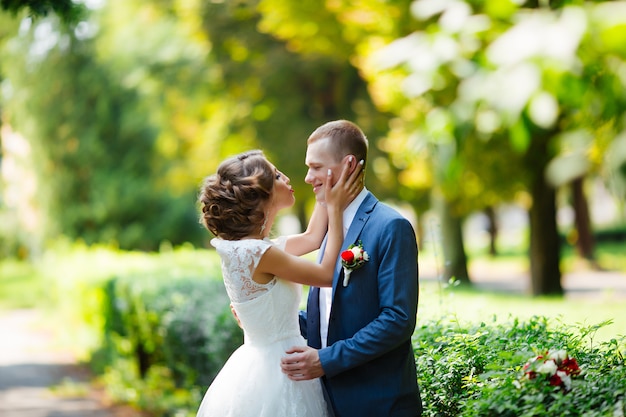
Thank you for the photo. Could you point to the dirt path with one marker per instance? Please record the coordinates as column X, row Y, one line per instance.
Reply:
column 37, row 380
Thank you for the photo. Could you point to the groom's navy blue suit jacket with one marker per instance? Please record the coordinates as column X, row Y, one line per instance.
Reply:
column 369, row 364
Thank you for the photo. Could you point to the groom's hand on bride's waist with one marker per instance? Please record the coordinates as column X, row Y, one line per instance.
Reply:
column 232, row 310
column 301, row 363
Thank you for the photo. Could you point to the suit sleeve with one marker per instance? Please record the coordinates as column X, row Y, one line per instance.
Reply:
column 397, row 281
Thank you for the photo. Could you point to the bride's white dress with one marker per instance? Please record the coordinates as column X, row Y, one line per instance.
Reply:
column 251, row 383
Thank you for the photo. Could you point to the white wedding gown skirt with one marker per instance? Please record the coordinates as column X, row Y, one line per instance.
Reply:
column 251, row 383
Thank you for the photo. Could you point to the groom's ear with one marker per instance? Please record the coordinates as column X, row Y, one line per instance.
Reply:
column 351, row 161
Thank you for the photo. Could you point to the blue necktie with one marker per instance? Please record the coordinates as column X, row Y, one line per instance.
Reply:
column 313, row 308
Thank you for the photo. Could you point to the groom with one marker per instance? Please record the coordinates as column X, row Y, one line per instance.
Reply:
column 359, row 335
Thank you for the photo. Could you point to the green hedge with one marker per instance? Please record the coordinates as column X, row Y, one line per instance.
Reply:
column 155, row 327
column 160, row 328
column 473, row 371
column 164, row 342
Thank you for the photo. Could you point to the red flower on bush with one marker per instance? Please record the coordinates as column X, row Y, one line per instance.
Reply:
column 570, row 366
column 555, row 380
column 557, row 367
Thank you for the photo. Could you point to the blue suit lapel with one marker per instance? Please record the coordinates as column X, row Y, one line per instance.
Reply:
column 354, row 232
column 313, row 310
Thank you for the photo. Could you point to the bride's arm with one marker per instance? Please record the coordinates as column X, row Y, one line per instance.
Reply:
column 296, row 269
column 312, row 237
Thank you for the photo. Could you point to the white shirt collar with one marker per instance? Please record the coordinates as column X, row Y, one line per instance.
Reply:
column 353, row 207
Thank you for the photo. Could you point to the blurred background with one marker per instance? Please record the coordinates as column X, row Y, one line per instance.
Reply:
column 497, row 127
column 493, row 117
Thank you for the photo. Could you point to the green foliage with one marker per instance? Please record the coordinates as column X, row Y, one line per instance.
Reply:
column 259, row 64
column 122, row 132
column 11, row 237
column 68, row 10
column 315, row 56
column 93, row 149
column 492, row 119
column 165, row 341
column 156, row 327
column 20, row 285
column 476, row 370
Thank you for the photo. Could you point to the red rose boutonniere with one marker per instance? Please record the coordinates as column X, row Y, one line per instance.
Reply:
column 351, row 259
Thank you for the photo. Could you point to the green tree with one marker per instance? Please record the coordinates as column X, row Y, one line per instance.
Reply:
column 416, row 161
column 201, row 84
column 515, row 78
column 282, row 94
column 325, row 38
column 67, row 10
column 93, row 145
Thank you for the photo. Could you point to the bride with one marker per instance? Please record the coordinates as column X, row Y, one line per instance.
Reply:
column 262, row 278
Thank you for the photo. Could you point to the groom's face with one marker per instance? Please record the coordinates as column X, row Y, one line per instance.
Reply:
column 319, row 159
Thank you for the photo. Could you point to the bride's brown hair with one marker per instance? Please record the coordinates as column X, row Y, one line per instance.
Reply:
column 234, row 199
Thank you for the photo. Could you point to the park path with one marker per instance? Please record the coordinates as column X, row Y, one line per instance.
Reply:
column 580, row 283
column 39, row 380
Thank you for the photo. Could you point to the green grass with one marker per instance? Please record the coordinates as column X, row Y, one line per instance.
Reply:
column 472, row 305
column 21, row 285
column 467, row 305
column 610, row 256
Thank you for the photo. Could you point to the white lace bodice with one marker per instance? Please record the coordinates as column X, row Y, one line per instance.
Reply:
column 268, row 312
column 239, row 260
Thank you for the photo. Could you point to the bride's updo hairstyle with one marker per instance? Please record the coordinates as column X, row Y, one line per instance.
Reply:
column 233, row 200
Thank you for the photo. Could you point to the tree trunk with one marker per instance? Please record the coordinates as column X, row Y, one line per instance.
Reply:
column 544, row 240
column 419, row 230
column 584, row 239
column 455, row 259
column 545, row 244
column 302, row 217
column 492, row 229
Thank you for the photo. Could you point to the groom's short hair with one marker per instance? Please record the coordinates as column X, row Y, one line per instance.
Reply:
column 346, row 138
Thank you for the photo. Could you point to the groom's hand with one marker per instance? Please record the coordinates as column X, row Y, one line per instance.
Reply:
column 302, row 363
column 232, row 310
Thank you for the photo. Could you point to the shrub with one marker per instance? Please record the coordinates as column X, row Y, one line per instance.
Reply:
column 156, row 327
column 478, row 370
column 165, row 342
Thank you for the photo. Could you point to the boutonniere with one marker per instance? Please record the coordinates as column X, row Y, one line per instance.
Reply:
column 351, row 259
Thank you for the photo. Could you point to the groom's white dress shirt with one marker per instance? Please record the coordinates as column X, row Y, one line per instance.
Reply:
column 326, row 293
